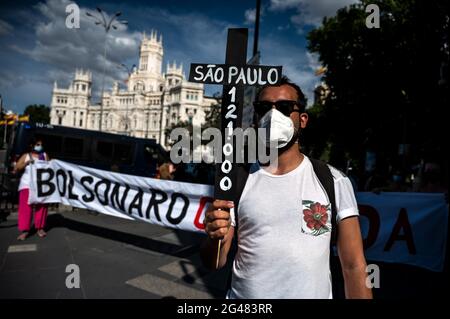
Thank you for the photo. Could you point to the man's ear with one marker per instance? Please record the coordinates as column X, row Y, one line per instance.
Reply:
column 303, row 120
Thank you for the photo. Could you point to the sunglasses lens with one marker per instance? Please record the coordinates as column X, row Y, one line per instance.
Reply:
column 285, row 107
column 262, row 107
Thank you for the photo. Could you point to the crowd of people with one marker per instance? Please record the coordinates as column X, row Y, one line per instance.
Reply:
column 427, row 176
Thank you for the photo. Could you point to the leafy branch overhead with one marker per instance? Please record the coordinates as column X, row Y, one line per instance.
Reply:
column 388, row 85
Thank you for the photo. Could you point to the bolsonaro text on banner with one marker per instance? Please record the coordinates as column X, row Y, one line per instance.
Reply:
column 166, row 203
column 407, row 228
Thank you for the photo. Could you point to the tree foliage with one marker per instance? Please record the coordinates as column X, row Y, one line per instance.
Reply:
column 38, row 113
column 212, row 118
column 389, row 85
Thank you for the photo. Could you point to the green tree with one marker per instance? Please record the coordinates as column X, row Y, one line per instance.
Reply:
column 212, row 119
column 38, row 113
column 213, row 115
column 388, row 85
column 180, row 124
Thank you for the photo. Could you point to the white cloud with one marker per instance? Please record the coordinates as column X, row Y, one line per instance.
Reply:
column 5, row 28
column 298, row 64
column 189, row 37
column 309, row 12
column 283, row 27
column 283, row 4
column 250, row 16
column 65, row 50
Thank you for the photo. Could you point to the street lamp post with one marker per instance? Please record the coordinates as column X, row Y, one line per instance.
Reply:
column 107, row 24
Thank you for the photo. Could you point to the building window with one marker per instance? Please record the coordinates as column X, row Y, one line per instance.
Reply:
column 74, row 118
column 143, row 63
column 83, row 87
column 195, row 111
column 59, row 120
column 139, row 86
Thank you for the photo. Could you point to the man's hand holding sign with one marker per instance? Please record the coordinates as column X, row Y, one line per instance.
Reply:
column 233, row 75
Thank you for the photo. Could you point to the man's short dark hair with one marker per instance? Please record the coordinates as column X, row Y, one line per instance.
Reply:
column 286, row 81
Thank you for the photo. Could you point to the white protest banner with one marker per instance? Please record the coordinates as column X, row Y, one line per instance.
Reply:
column 408, row 228
column 166, row 203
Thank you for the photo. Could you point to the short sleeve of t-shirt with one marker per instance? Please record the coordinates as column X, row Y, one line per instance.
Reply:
column 345, row 197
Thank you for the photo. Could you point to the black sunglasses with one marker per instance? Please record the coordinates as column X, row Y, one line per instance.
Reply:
column 284, row 106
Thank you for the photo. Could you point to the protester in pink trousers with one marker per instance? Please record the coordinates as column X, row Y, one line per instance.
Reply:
column 36, row 152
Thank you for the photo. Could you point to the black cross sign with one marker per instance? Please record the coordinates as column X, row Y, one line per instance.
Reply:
column 233, row 75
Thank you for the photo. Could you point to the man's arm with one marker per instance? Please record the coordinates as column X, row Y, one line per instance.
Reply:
column 217, row 226
column 21, row 163
column 353, row 262
column 209, row 250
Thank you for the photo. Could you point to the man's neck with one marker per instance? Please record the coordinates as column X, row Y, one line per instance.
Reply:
column 287, row 161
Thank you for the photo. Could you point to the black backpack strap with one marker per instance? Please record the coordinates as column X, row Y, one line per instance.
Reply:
column 324, row 175
column 323, row 172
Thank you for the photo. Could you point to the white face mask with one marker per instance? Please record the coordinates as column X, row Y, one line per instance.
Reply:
column 38, row 148
column 279, row 128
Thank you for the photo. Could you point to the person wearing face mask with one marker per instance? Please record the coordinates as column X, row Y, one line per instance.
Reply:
column 35, row 152
column 283, row 216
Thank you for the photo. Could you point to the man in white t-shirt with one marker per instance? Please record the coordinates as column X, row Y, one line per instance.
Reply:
column 284, row 225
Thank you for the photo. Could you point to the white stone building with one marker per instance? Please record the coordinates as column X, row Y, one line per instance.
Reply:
column 151, row 101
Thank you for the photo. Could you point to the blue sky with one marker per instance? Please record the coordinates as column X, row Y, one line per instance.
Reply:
column 37, row 49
